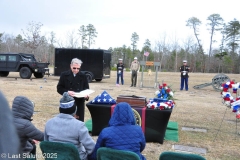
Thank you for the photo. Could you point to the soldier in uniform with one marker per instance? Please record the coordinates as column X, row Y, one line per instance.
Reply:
column 120, row 67
column 134, row 68
column 184, row 69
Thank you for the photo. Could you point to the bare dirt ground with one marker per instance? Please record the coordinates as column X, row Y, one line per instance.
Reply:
column 194, row 108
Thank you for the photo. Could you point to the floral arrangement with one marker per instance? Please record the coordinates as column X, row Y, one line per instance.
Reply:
column 163, row 98
column 228, row 99
column 164, row 92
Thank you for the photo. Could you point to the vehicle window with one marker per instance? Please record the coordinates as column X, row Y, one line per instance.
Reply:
column 12, row 58
column 27, row 58
column 2, row 58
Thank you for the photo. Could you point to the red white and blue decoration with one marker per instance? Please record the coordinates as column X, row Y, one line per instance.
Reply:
column 103, row 98
column 228, row 99
column 163, row 98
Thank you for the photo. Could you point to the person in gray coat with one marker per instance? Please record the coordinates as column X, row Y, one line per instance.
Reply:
column 67, row 129
column 9, row 141
column 22, row 109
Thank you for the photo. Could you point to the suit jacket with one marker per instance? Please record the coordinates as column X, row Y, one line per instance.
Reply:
column 68, row 82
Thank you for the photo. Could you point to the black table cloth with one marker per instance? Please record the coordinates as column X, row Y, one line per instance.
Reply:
column 155, row 121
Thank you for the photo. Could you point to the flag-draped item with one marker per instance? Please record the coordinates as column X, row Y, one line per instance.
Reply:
column 103, row 98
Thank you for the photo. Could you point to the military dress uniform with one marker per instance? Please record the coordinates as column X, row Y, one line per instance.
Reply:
column 184, row 69
column 120, row 67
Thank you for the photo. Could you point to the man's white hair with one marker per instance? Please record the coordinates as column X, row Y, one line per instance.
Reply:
column 76, row 61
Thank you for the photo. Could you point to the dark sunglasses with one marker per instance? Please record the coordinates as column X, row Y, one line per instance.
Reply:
column 76, row 68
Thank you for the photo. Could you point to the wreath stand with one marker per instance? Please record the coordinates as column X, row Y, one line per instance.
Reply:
column 221, row 126
column 149, row 63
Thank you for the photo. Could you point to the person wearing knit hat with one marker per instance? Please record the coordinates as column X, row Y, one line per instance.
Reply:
column 67, row 129
column 67, row 104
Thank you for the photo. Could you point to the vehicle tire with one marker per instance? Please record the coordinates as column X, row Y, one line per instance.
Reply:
column 4, row 73
column 38, row 75
column 98, row 80
column 89, row 77
column 25, row 73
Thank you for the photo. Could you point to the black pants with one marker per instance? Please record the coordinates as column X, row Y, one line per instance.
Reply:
column 80, row 108
column 134, row 78
column 33, row 150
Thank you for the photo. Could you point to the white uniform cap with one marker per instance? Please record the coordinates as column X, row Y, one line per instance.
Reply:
column 120, row 59
column 184, row 61
column 135, row 57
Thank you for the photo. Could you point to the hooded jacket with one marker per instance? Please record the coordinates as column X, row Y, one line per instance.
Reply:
column 22, row 110
column 122, row 133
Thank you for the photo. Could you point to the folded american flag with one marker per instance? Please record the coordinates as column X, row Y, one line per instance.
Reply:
column 103, row 98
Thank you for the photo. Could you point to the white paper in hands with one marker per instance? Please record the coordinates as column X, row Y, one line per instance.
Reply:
column 83, row 93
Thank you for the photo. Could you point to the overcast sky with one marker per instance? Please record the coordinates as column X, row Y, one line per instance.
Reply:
column 116, row 20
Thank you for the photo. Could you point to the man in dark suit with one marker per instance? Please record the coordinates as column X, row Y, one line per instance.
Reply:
column 72, row 81
column 184, row 69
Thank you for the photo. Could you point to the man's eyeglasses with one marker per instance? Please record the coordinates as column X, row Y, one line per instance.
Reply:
column 76, row 68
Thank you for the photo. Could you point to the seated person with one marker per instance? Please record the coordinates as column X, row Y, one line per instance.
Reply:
column 9, row 141
column 22, row 109
column 122, row 133
column 65, row 128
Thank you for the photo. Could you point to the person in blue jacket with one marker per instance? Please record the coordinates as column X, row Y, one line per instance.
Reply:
column 122, row 133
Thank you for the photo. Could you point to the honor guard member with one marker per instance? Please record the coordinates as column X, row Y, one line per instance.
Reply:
column 134, row 68
column 184, row 69
column 120, row 67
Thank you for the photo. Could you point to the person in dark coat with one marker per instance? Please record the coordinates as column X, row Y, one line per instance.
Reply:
column 120, row 67
column 22, row 109
column 72, row 81
column 9, row 141
column 122, row 133
column 184, row 69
